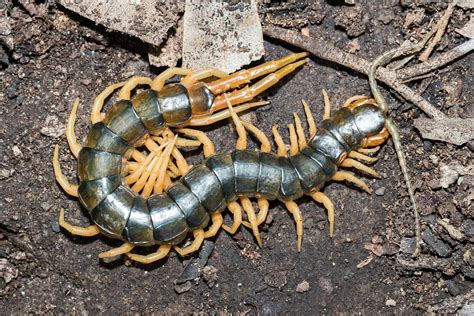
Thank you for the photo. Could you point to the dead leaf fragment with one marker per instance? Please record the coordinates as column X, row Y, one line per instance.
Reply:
column 452, row 130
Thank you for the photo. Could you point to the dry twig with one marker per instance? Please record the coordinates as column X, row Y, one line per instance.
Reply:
column 441, row 28
column 322, row 49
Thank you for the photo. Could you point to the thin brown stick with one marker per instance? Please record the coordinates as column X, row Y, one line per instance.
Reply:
column 441, row 28
column 322, row 49
column 408, row 73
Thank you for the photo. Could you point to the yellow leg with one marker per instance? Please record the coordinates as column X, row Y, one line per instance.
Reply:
column 376, row 140
column 163, row 164
column 224, row 114
column 322, row 198
column 208, row 146
column 195, row 245
column 352, row 99
column 70, row 134
column 133, row 177
column 349, row 177
column 249, row 92
column 217, row 221
column 295, row 211
column 327, row 105
column 262, row 138
column 242, row 134
column 203, row 74
column 96, row 116
column 293, row 140
column 160, row 80
column 236, row 210
column 309, row 119
column 87, row 231
column 351, row 163
column 358, row 155
column 248, row 208
column 131, row 84
column 299, row 131
column 161, row 253
column 263, row 206
column 369, row 151
column 245, row 76
column 70, row 189
column 144, row 176
column 281, row 147
column 126, row 247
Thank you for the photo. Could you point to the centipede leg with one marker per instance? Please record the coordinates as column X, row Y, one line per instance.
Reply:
column 195, row 245
column 368, row 151
column 224, row 114
column 239, row 127
column 293, row 140
column 208, row 145
column 87, row 231
column 217, row 221
column 295, row 211
column 70, row 134
column 70, row 189
column 349, row 177
column 160, row 253
column 132, row 83
column 327, row 105
column 376, row 140
column 349, row 102
column 249, row 210
column 123, row 249
column 201, row 75
column 351, row 163
column 322, row 198
column 159, row 81
column 310, row 119
column 281, row 147
column 263, row 206
column 96, row 115
column 299, row 131
column 360, row 156
column 244, row 76
column 236, row 211
column 249, row 92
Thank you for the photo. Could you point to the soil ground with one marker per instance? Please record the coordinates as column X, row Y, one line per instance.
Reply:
column 59, row 56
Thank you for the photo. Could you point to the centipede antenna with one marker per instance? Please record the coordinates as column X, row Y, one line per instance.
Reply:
column 390, row 125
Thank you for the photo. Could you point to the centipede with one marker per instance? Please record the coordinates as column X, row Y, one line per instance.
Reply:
column 156, row 198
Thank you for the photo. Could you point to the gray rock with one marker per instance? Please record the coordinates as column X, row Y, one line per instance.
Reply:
column 380, row 191
column 441, row 248
column 407, row 245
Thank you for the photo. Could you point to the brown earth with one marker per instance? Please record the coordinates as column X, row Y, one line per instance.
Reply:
column 58, row 56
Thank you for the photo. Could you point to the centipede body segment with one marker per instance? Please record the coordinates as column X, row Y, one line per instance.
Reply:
column 131, row 197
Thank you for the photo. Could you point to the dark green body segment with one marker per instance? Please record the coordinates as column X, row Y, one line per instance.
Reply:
column 169, row 223
column 290, row 188
column 94, row 164
column 195, row 214
column 205, row 185
column 246, row 168
column 139, row 228
column 102, row 138
column 269, row 176
column 147, row 107
column 112, row 214
column 223, row 168
column 92, row 192
column 125, row 122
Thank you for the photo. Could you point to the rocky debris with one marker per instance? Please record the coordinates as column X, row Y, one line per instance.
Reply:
column 441, row 248
column 451, row 130
column 182, row 288
column 194, row 268
column 407, row 245
column 390, row 303
column 303, row 287
column 326, row 285
column 209, row 274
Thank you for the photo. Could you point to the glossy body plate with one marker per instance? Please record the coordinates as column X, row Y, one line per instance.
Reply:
column 169, row 224
column 195, row 214
column 246, row 168
column 124, row 121
column 223, row 168
column 290, row 188
column 102, row 138
column 95, row 164
column 269, row 176
column 205, row 185
column 139, row 228
column 174, row 104
column 92, row 192
column 147, row 107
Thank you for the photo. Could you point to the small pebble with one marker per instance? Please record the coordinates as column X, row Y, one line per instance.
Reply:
column 302, row 287
column 55, row 227
column 16, row 151
column 390, row 303
column 182, row 288
column 407, row 245
column 380, row 191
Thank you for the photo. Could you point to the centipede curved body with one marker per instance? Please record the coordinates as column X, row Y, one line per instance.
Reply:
column 167, row 218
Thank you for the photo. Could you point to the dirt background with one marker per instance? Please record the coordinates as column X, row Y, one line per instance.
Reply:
column 58, row 55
